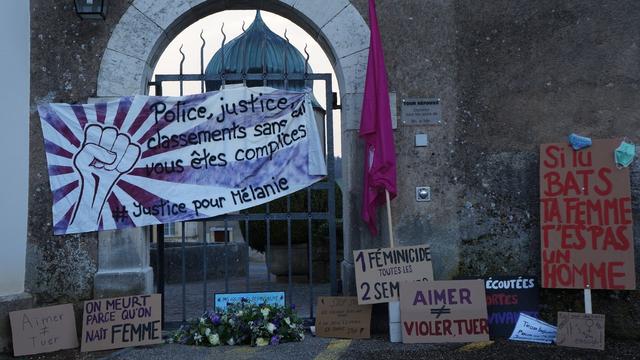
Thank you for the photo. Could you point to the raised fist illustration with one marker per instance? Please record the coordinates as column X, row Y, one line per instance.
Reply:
column 105, row 155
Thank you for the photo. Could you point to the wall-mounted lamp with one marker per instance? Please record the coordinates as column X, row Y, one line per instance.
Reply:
column 91, row 9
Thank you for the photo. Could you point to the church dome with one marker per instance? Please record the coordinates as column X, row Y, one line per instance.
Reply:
column 248, row 51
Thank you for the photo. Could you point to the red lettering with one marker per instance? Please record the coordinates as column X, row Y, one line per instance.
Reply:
column 624, row 243
column 554, row 186
column 598, row 272
column 484, row 326
column 625, row 211
column 408, row 327
column 548, row 275
column 585, row 180
column 570, row 183
column 556, row 155
column 446, row 327
column 602, row 174
column 578, row 158
column 612, row 274
column 596, row 232
column 567, row 235
column 551, row 210
column 556, row 256
column 545, row 234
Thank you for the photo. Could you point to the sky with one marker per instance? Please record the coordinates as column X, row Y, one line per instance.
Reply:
column 189, row 39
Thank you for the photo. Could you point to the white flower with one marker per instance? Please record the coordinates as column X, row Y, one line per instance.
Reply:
column 265, row 312
column 207, row 332
column 262, row 342
column 214, row 339
column 271, row 328
column 231, row 322
column 197, row 337
column 202, row 320
column 288, row 321
column 231, row 342
column 239, row 313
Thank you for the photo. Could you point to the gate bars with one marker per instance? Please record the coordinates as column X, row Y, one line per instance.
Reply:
column 267, row 216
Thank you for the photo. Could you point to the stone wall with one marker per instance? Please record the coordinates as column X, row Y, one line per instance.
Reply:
column 511, row 75
column 65, row 58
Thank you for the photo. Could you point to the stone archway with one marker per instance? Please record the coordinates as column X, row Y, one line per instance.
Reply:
column 136, row 43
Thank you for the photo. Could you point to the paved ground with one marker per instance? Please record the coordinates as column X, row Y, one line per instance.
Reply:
column 377, row 348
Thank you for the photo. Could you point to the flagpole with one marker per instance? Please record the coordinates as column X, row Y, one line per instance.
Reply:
column 386, row 193
column 395, row 331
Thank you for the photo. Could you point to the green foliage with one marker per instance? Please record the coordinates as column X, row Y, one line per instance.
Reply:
column 243, row 324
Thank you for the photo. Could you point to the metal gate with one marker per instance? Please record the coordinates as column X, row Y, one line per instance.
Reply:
column 178, row 299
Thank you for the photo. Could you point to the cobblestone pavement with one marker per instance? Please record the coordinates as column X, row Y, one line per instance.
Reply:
column 300, row 293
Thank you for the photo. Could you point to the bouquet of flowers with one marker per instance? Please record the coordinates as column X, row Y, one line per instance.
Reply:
column 243, row 323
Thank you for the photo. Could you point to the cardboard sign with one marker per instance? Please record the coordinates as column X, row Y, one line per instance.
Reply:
column 121, row 322
column 342, row 317
column 379, row 271
column 143, row 160
column 43, row 329
column 533, row 330
column 265, row 297
column 507, row 297
column 586, row 223
column 443, row 311
column 581, row 330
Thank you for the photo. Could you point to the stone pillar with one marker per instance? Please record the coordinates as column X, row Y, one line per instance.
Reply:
column 352, row 193
column 123, row 257
column 123, row 263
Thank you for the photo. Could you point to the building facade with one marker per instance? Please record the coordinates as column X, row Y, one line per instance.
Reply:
column 510, row 76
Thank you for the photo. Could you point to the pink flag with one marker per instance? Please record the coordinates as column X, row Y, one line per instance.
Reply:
column 375, row 130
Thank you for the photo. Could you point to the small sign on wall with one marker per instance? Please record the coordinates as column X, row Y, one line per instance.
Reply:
column 421, row 111
column 45, row 329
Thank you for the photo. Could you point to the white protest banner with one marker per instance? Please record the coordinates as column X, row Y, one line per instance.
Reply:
column 531, row 329
column 148, row 160
column 379, row 271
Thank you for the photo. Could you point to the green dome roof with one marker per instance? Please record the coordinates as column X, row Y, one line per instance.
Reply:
column 248, row 51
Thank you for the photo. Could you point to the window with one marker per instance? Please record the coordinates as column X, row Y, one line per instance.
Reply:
column 170, row 229
column 217, row 234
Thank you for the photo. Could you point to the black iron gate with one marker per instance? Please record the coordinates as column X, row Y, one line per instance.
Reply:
column 177, row 311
